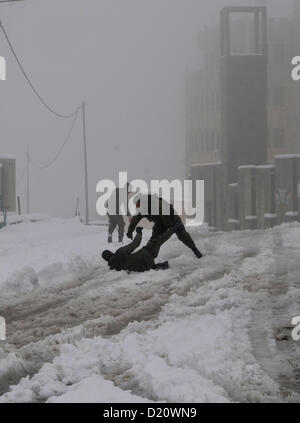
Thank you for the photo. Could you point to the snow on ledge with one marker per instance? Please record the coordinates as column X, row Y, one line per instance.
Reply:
column 250, row 218
column 35, row 217
column 5, row 156
column 207, row 164
column 267, row 166
column 247, row 167
column 291, row 213
column 287, row 156
column 270, row 215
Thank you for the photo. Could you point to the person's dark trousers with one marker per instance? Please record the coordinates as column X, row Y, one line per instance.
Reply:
column 114, row 221
column 182, row 234
column 155, row 242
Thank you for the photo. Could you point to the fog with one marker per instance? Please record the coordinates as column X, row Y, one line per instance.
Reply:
column 127, row 59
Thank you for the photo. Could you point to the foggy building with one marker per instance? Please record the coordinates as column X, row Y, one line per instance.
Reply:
column 243, row 93
column 203, row 91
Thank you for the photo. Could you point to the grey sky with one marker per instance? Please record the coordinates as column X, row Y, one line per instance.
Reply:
column 127, row 59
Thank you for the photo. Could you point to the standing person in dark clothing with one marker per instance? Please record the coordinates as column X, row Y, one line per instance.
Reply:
column 115, row 216
column 143, row 260
column 161, row 223
column 114, row 221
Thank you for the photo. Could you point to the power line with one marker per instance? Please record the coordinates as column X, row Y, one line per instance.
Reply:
column 50, row 109
column 29, row 81
column 61, row 148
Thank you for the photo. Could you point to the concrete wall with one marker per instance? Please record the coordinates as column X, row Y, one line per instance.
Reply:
column 213, row 192
column 221, row 209
column 247, row 197
column 298, row 185
column 286, row 183
column 1, row 179
column 265, row 196
column 232, row 201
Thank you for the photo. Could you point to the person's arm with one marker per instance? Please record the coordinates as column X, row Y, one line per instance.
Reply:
column 128, row 249
column 133, row 223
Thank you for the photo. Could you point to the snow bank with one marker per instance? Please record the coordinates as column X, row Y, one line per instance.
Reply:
column 46, row 253
column 203, row 331
column 95, row 389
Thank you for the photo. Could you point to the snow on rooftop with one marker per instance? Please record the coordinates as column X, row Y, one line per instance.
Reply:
column 267, row 166
column 247, row 167
column 270, row 215
column 250, row 217
column 207, row 164
column 291, row 213
column 287, row 156
column 6, row 156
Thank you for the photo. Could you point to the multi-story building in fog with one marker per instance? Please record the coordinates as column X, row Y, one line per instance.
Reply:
column 203, row 93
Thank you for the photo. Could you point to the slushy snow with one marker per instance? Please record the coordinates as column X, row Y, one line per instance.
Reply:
column 211, row 330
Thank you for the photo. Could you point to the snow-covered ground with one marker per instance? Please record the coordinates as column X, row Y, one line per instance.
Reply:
column 214, row 330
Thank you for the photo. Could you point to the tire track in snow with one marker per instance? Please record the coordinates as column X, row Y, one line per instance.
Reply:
column 102, row 304
column 43, row 320
column 271, row 333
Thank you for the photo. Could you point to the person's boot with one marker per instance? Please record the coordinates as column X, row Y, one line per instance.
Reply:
column 109, row 239
column 197, row 253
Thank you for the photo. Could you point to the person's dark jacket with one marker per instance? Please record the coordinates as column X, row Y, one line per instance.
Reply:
column 123, row 259
column 165, row 221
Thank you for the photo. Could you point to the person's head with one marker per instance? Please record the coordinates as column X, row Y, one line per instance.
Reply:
column 107, row 255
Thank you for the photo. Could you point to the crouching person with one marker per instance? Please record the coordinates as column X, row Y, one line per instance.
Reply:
column 142, row 260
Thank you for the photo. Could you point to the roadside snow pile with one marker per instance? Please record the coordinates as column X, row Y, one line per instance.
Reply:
column 15, row 219
column 95, row 389
column 50, row 252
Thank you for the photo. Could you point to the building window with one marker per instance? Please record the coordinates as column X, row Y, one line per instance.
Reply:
column 218, row 141
column 195, row 104
column 213, row 102
column 213, row 148
column 278, row 54
column 218, row 101
column 278, row 137
column 202, row 141
column 198, row 143
column 207, row 141
column 207, row 102
column 191, row 142
column 278, row 97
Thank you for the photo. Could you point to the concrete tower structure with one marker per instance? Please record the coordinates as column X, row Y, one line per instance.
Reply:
column 244, row 95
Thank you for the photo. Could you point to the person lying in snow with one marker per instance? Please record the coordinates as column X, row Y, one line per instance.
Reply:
column 143, row 260
column 163, row 222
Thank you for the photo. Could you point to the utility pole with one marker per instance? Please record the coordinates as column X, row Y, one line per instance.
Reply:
column 27, row 171
column 85, row 165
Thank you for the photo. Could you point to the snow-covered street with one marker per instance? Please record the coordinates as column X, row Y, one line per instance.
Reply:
column 214, row 330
